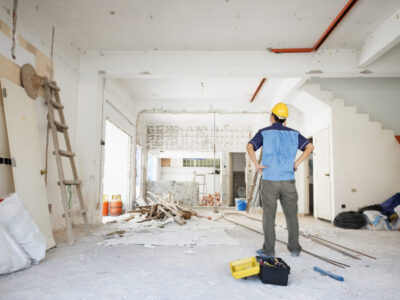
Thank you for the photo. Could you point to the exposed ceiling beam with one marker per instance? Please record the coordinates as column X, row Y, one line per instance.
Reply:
column 380, row 41
column 231, row 64
column 258, row 89
column 349, row 5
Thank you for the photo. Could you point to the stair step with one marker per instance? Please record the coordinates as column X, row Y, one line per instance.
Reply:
column 56, row 104
column 71, row 182
column 363, row 117
column 75, row 212
column 351, row 109
column 388, row 133
column 60, row 126
column 66, row 153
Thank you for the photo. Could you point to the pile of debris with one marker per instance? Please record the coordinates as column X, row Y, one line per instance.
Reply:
column 163, row 208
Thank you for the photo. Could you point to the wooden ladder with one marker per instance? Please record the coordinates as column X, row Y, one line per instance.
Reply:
column 53, row 102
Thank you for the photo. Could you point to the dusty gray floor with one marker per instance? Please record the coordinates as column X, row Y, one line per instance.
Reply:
column 91, row 271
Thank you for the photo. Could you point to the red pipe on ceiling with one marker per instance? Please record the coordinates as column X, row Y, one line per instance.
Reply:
column 258, row 89
column 349, row 5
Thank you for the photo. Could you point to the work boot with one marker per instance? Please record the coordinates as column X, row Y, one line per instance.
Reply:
column 262, row 253
column 295, row 253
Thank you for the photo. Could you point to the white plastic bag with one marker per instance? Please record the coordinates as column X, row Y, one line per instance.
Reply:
column 22, row 228
column 12, row 257
column 376, row 221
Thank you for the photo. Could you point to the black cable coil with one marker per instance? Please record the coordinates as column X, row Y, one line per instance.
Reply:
column 350, row 220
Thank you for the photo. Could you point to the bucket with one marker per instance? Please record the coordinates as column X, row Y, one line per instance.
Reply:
column 105, row 205
column 241, row 205
column 116, row 206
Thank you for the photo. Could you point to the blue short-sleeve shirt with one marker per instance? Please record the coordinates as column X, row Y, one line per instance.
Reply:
column 280, row 145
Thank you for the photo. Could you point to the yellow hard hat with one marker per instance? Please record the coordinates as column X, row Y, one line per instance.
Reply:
column 281, row 110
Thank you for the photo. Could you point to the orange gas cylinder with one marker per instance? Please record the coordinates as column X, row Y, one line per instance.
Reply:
column 116, row 205
column 105, row 205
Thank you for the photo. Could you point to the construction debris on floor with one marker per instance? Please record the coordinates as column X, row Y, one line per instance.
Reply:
column 383, row 216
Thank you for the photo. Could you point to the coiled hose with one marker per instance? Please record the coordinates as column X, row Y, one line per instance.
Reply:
column 350, row 220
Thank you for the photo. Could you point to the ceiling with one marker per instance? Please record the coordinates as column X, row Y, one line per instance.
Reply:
column 213, row 24
column 240, row 89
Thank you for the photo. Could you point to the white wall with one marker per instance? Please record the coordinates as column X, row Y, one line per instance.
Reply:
column 378, row 97
column 365, row 159
column 36, row 27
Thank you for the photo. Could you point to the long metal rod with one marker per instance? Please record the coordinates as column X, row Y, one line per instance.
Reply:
column 342, row 246
column 316, row 238
column 333, row 262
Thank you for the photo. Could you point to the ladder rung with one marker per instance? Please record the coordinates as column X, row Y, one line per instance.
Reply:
column 56, row 104
column 60, row 126
column 71, row 182
column 66, row 153
column 75, row 212
column 54, row 86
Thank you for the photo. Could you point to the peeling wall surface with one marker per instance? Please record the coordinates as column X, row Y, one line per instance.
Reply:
column 196, row 138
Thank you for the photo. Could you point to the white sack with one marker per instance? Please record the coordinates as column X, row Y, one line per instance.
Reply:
column 12, row 257
column 22, row 228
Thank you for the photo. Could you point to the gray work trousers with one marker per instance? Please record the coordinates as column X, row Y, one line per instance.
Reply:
column 286, row 191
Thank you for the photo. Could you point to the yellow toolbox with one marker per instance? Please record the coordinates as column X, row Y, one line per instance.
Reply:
column 245, row 267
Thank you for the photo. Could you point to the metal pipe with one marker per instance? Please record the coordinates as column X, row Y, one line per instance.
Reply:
column 258, row 89
column 349, row 5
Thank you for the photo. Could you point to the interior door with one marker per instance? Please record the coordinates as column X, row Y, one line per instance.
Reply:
column 322, row 180
column 24, row 141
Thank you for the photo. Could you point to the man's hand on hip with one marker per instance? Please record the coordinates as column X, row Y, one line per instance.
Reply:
column 260, row 168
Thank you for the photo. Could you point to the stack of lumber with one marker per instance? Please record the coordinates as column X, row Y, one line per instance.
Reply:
column 163, row 208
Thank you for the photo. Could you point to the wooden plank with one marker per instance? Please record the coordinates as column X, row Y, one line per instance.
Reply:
column 23, row 134
column 165, row 162
column 255, row 178
column 9, row 70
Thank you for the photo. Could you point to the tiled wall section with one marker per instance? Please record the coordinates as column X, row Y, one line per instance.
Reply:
column 196, row 138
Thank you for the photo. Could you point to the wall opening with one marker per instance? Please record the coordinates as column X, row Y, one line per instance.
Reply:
column 117, row 161
column 237, row 177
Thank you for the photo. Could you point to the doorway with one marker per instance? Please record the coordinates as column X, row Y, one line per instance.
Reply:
column 321, row 178
column 237, row 177
column 117, row 161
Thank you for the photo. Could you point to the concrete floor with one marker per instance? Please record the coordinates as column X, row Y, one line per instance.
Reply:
column 91, row 270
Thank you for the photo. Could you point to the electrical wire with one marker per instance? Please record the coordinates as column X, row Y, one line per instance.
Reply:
column 350, row 220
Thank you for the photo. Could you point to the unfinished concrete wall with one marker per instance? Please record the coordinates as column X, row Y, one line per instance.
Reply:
column 184, row 192
column 200, row 139
column 196, row 138
column 34, row 31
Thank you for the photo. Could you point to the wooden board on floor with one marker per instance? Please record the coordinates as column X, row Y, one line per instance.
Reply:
column 24, row 141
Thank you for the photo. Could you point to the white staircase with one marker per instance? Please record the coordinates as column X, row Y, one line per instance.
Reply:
column 365, row 156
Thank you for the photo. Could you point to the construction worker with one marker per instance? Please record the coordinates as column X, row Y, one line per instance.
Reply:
column 280, row 145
